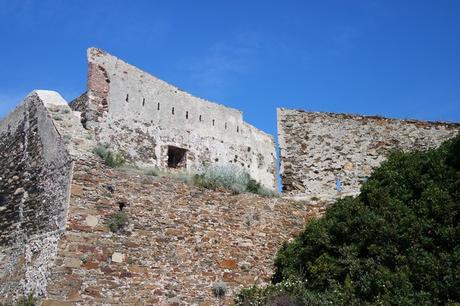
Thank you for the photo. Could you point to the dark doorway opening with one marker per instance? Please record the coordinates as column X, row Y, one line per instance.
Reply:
column 177, row 157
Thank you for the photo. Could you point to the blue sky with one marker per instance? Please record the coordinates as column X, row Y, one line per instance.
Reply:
column 395, row 58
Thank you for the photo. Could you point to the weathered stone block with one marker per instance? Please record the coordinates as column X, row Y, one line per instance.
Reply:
column 118, row 257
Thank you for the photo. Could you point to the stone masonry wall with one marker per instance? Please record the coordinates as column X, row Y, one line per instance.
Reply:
column 179, row 240
column 34, row 189
column 317, row 149
column 79, row 104
column 141, row 116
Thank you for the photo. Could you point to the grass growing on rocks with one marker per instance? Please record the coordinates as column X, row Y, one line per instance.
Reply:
column 111, row 159
column 29, row 300
column 117, row 221
column 229, row 178
column 217, row 177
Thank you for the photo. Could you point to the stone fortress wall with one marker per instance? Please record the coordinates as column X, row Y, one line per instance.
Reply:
column 55, row 200
column 318, row 149
column 143, row 117
column 35, row 174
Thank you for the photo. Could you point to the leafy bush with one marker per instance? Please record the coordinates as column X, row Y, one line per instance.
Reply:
column 111, row 159
column 397, row 243
column 262, row 296
column 117, row 221
column 229, row 178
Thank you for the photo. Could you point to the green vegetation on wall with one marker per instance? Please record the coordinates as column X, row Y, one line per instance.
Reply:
column 230, row 178
column 110, row 158
column 397, row 243
column 117, row 221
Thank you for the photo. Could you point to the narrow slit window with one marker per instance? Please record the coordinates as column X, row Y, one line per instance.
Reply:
column 143, row 102
column 225, row 125
column 158, row 106
column 200, row 118
column 127, row 98
column 186, row 115
column 237, row 129
column 172, row 111
column 213, row 122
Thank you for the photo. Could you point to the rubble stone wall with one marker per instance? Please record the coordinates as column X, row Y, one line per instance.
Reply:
column 141, row 116
column 178, row 242
column 318, row 149
column 35, row 172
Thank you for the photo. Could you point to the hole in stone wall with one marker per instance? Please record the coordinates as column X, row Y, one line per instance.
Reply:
column 172, row 111
column 121, row 205
column 225, row 125
column 213, row 122
column 237, row 129
column 143, row 102
column 110, row 188
column 127, row 97
column 186, row 115
column 158, row 106
column 177, row 157
column 200, row 118
column 3, row 199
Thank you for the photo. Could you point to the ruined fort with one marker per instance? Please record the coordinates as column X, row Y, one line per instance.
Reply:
column 57, row 197
column 152, row 122
column 329, row 155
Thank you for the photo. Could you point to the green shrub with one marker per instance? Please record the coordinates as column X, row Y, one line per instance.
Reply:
column 252, row 185
column 290, row 292
column 84, row 258
column 117, row 221
column 229, row 178
column 266, row 192
column 111, row 159
column 397, row 243
column 29, row 300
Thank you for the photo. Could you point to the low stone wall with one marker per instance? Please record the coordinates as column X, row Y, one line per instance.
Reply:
column 34, row 189
column 321, row 153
